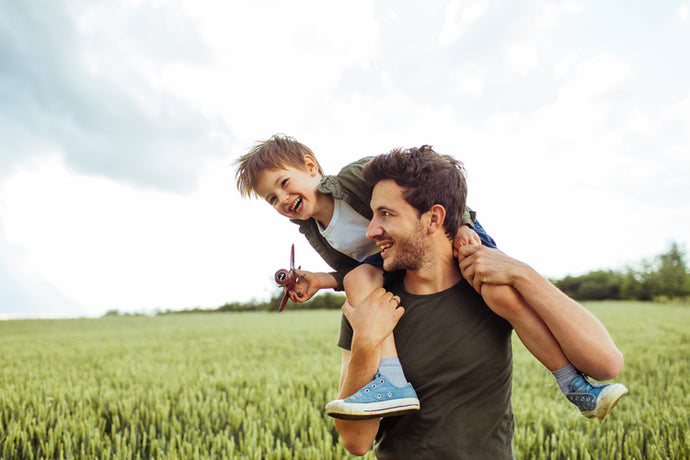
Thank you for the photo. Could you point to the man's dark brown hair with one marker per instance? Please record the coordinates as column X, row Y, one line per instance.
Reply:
column 428, row 177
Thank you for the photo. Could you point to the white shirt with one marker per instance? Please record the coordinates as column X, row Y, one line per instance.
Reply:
column 347, row 231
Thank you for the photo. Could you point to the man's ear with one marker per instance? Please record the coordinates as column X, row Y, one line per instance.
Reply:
column 311, row 166
column 436, row 217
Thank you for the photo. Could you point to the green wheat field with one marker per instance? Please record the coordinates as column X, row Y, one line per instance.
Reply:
column 253, row 386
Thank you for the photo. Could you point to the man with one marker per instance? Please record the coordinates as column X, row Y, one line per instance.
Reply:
column 455, row 351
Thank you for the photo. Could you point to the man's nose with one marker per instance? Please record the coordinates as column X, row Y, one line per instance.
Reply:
column 373, row 230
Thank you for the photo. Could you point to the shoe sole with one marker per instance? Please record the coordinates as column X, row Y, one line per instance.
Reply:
column 337, row 409
column 607, row 400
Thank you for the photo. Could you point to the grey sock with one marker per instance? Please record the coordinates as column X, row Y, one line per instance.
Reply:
column 393, row 371
column 564, row 376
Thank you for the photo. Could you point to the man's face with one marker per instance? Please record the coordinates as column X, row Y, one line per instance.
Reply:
column 397, row 229
column 291, row 191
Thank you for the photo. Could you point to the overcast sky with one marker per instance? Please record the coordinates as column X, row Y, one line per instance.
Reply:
column 120, row 121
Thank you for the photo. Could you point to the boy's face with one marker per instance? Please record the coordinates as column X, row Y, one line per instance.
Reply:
column 291, row 191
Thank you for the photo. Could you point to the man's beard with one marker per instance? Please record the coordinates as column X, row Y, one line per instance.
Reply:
column 410, row 252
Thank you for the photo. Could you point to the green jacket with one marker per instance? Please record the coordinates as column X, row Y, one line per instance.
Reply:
column 349, row 185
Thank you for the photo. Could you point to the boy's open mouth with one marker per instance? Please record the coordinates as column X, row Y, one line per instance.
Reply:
column 297, row 205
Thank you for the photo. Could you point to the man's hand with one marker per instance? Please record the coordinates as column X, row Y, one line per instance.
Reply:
column 480, row 264
column 465, row 237
column 375, row 318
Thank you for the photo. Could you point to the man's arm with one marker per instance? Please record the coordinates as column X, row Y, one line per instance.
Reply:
column 372, row 321
column 584, row 340
column 358, row 436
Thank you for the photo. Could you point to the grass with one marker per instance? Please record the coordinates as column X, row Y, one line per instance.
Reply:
column 253, row 385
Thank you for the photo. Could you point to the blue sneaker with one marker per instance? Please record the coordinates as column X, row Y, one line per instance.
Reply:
column 594, row 399
column 379, row 398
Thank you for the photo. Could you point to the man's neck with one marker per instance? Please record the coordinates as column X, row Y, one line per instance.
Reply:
column 439, row 274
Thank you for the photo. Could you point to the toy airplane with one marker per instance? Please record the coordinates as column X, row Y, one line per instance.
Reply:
column 287, row 279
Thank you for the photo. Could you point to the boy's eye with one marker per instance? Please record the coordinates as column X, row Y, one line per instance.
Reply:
column 284, row 182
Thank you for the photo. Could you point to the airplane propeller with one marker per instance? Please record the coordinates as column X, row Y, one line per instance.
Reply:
column 287, row 279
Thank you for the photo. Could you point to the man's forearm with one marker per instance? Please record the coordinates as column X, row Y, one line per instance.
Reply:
column 360, row 368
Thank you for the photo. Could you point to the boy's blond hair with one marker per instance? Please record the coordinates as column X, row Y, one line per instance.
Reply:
column 278, row 152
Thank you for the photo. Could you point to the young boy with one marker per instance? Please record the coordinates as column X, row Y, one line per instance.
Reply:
column 333, row 213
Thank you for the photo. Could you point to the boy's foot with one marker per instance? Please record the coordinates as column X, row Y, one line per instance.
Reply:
column 594, row 399
column 379, row 398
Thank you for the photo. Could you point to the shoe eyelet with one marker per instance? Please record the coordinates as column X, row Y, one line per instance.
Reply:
column 367, row 390
column 378, row 396
column 382, row 381
column 390, row 395
column 373, row 386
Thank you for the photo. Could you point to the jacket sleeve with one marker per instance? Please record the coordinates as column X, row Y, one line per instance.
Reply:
column 341, row 263
column 469, row 217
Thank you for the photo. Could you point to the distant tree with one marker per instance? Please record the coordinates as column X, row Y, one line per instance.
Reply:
column 326, row 301
column 664, row 277
column 631, row 288
column 597, row 285
column 671, row 278
column 600, row 285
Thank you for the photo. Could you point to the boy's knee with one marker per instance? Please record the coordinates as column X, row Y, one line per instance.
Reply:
column 363, row 275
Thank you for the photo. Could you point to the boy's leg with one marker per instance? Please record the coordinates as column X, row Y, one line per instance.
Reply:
column 389, row 393
column 530, row 328
column 593, row 400
column 483, row 236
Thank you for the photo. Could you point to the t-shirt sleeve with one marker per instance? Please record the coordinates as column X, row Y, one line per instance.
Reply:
column 345, row 338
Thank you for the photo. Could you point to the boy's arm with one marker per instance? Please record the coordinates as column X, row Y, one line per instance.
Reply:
column 309, row 283
column 466, row 234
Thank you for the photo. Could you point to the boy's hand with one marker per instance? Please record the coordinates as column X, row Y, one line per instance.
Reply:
column 465, row 237
column 307, row 285
column 480, row 264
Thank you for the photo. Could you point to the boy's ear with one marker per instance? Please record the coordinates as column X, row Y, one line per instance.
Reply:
column 436, row 217
column 311, row 165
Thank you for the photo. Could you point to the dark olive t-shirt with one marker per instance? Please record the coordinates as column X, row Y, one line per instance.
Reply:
column 456, row 353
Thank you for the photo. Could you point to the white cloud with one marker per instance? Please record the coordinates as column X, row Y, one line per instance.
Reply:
column 522, row 57
column 116, row 189
column 468, row 79
column 683, row 13
column 269, row 84
column 563, row 66
column 553, row 15
column 459, row 15
column 109, row 245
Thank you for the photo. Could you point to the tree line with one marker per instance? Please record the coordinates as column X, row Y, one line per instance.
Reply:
column 663, row 278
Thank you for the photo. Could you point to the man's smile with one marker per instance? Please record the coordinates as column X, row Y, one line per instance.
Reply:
column 384, row 246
